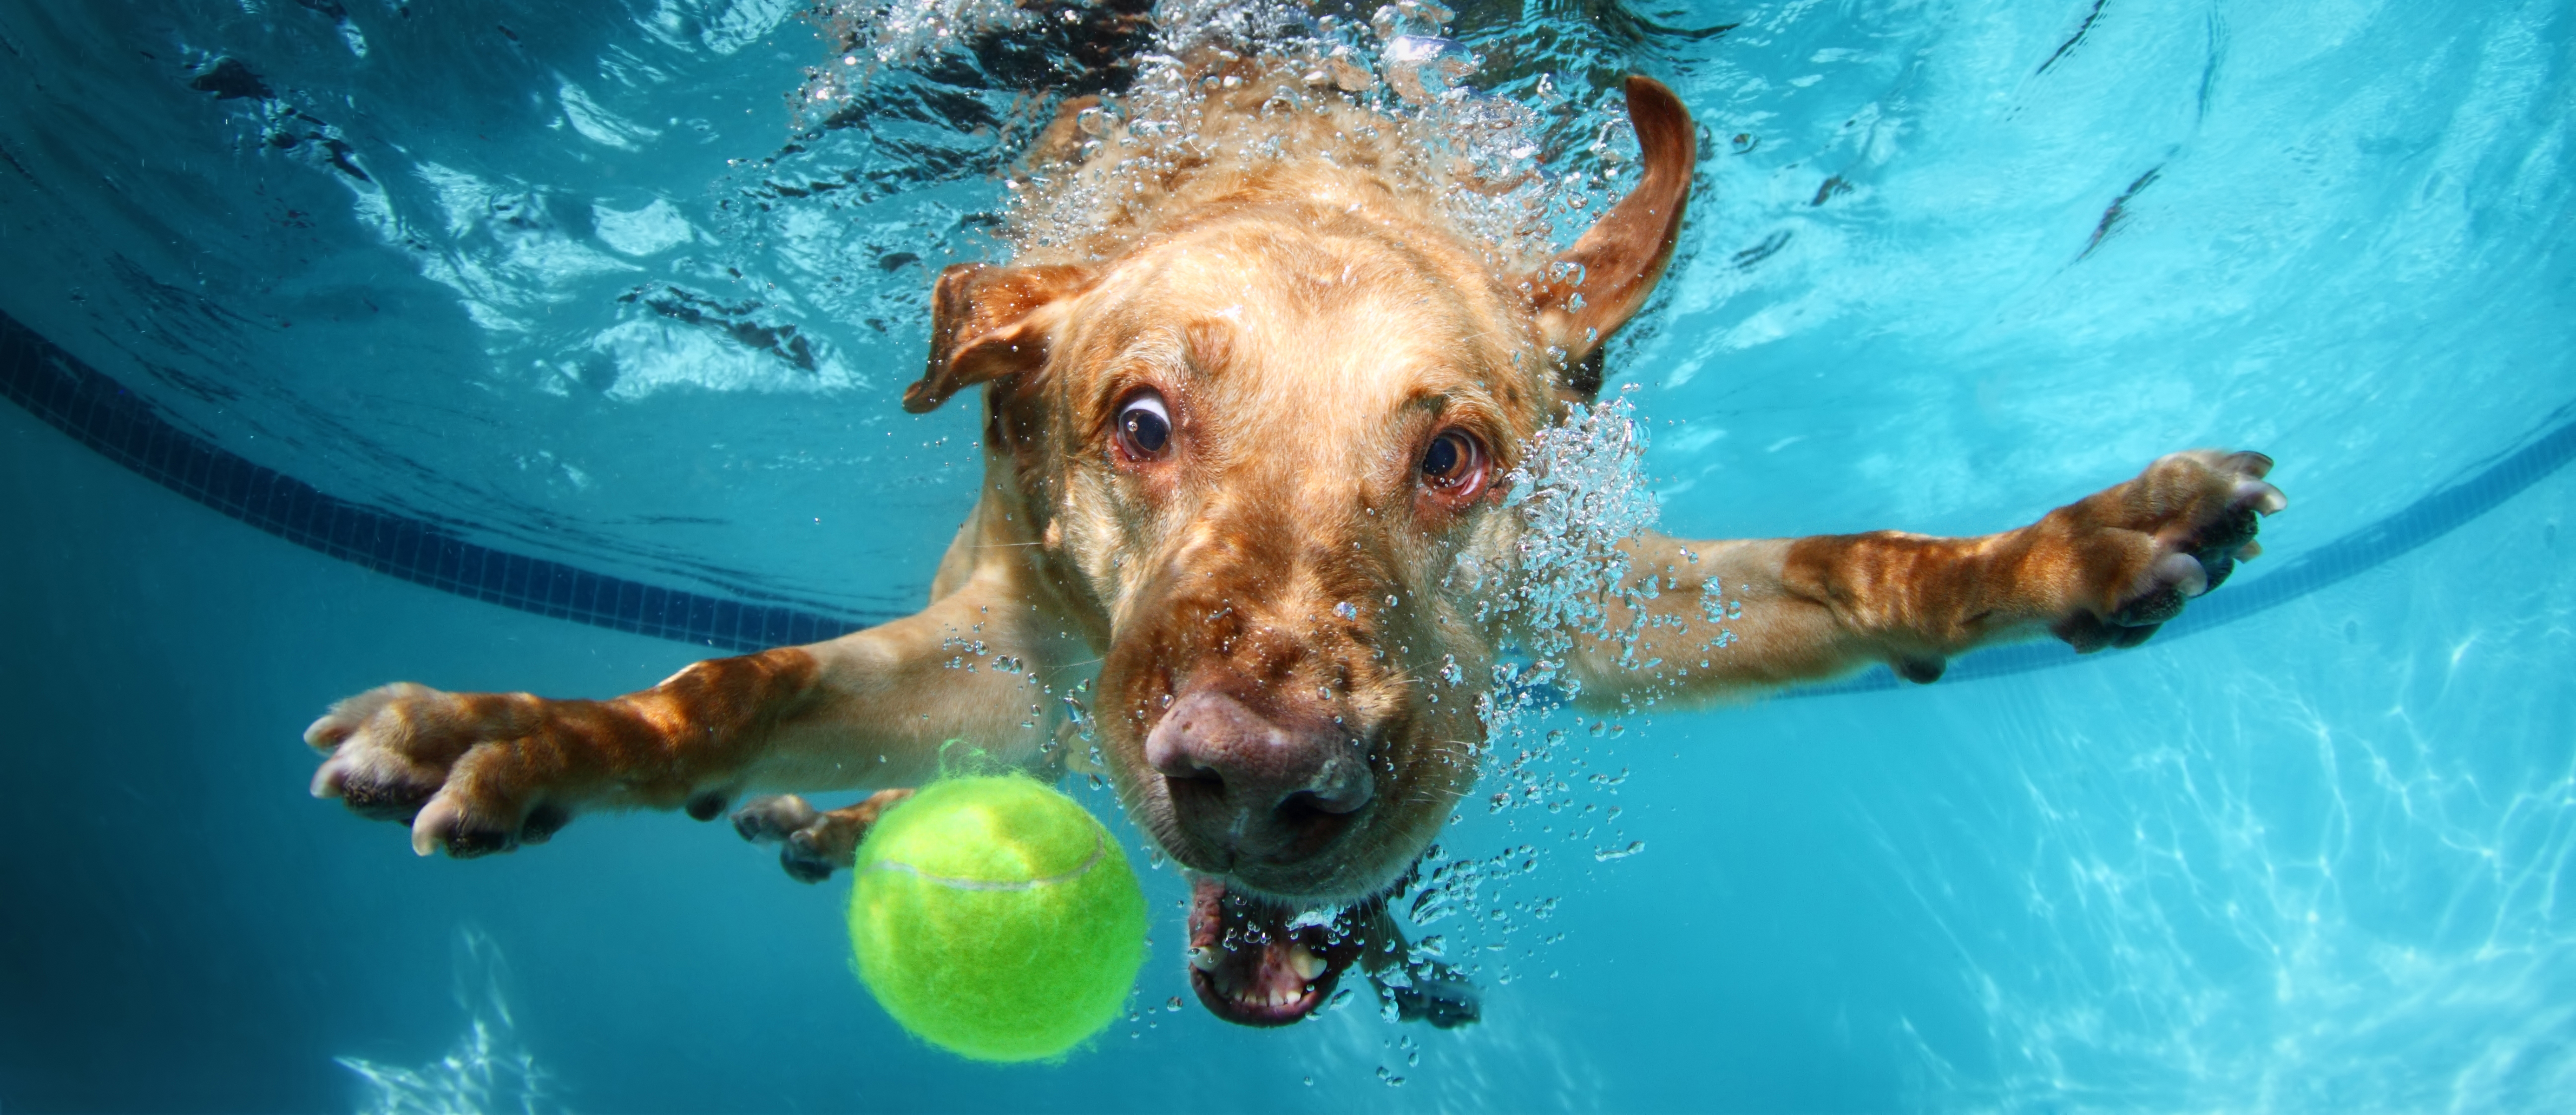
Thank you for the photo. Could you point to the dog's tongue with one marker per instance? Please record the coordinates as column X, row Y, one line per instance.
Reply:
column 1250, row 967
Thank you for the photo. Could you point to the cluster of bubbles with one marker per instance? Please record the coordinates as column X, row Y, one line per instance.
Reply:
column 887, row 33
column 1516, row 170
column 1478, row 156
column 1579, row 492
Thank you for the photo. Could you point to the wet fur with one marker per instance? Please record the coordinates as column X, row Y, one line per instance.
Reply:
column 1312, row 320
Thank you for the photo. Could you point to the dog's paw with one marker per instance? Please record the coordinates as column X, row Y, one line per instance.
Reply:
column 812, row 843
column 448, row 764
column 2142, row 549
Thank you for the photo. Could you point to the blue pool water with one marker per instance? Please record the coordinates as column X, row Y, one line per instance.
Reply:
column 310, row 303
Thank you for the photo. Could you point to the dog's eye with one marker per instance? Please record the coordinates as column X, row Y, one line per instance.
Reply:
column 1144, row 426
column 1454, row 465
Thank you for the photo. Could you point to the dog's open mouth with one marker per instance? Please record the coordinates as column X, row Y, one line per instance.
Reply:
column 1255, row 962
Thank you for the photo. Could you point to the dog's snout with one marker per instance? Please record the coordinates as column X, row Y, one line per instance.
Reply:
column 1243, row 781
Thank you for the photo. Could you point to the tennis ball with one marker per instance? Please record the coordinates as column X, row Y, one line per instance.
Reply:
column 996, row 919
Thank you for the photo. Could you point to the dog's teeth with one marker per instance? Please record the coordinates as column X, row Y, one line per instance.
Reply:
column 1307, row 964
column 1203, row 958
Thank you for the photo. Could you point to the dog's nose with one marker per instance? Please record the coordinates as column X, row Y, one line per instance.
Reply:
column 1242, row 781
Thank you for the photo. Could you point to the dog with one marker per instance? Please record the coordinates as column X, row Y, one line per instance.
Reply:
column 1247, row 422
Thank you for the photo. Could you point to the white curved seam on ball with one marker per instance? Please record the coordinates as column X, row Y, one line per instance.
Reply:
column 1099, row 849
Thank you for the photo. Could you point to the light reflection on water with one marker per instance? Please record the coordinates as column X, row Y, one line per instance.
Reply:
column 487, row 1071
column 2314, row 867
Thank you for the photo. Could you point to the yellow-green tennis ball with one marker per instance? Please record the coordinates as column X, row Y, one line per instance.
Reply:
column 995, row 918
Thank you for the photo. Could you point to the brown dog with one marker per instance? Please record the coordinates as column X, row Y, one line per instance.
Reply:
column 1245, row 435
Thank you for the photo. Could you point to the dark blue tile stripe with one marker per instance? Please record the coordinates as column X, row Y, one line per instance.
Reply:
column 72, row 397
column 98, row 412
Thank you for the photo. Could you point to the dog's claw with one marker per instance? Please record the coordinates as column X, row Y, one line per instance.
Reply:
column 327, row 732
column 2184, row 573
column 447, row 823
column 2248, row 462
column 435, row 825
column 2262, row 497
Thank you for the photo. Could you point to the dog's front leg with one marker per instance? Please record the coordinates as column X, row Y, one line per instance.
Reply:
column 2104, row 571
column 485, row 772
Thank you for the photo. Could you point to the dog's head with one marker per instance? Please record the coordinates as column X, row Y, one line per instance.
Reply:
column 1263, row 453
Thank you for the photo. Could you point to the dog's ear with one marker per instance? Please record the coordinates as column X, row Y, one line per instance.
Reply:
column 990, row 322
column 1594, row 288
